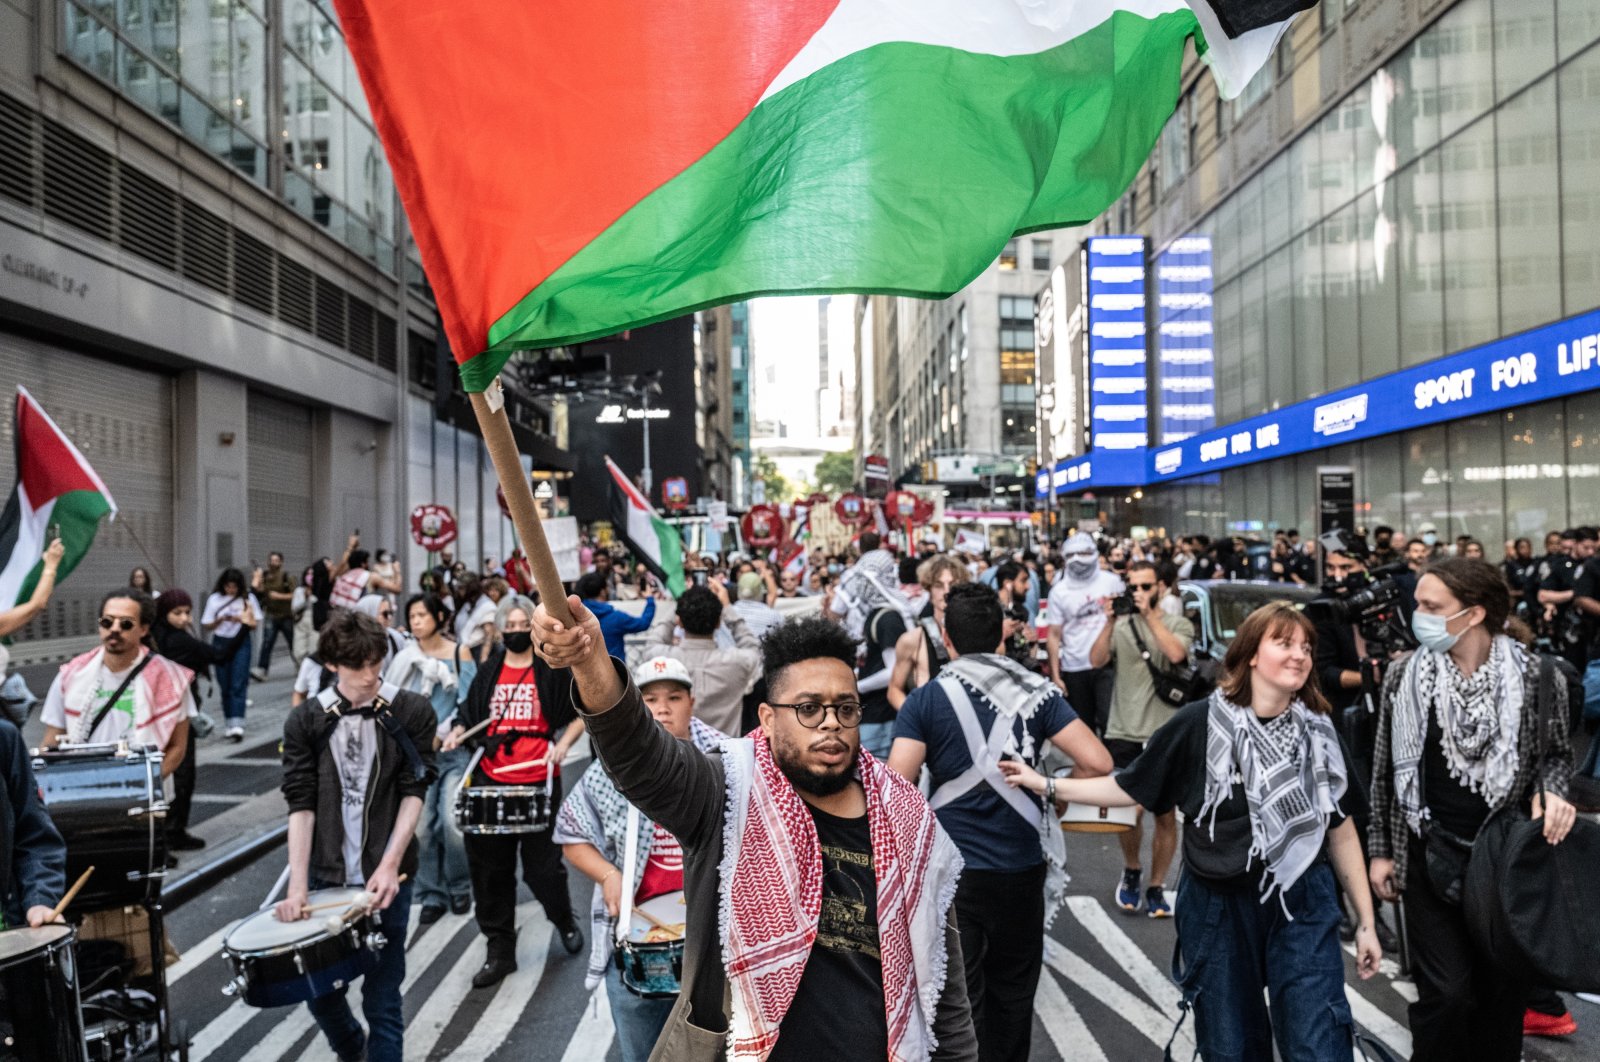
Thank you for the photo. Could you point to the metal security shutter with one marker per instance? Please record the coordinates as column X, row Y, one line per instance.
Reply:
column 280, row 481
column 121, row 418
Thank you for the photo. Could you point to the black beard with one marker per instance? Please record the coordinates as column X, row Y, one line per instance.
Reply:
column 817, row 784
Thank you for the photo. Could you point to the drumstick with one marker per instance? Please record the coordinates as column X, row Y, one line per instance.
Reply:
column 658, row 923
column 364, row 900
column 76, row 885
column 477, row 727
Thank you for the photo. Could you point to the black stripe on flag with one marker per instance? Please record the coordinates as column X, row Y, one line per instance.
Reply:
column 1239, row 17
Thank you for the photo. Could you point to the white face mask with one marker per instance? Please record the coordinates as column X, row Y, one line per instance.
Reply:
column 1434, row 632
column 1081, row 567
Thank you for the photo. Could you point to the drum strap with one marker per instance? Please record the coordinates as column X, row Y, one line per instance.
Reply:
column 630, row 860
column 111, row 701
column 408, row 747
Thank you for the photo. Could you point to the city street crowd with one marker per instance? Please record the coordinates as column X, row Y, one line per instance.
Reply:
column 830, row 810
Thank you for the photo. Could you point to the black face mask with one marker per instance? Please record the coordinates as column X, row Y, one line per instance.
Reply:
column 518, row 641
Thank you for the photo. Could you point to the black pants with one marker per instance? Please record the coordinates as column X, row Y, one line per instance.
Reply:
column 1466, row 1007
column 492, row 860
column 182, row 791
column 1089, row 693
column 1001, row 918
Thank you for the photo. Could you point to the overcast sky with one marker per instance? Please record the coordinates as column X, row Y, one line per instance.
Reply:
column 783, row 385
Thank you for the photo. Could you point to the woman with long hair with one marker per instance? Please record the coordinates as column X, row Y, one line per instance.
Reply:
column 223, row 617
column 439, row 669
column 174, row 614
column 139, row 579
column 1260, row 776
column 1458, row 740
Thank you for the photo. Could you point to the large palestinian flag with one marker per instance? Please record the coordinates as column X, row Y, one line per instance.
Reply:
column 56, row 493
column 651, row 539
column 572, row 168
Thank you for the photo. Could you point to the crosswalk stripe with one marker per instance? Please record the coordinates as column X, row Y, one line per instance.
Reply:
column 500, row 1017
column 220, row 1030
column 1366, row 1013
column 1062, row 1023
column 1125, row 953
column 1155, row 1026
column 196, row 956
column 1407, row 990
column 446, row 1001
column 591, row 1040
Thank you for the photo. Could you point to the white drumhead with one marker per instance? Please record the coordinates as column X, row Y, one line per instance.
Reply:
column 18, row 942
column 668, row 909
column 262, row 931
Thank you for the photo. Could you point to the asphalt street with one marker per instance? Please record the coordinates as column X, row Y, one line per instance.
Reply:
column 1105, row 993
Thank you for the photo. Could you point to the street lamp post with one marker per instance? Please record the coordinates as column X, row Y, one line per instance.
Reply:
column 645, row 472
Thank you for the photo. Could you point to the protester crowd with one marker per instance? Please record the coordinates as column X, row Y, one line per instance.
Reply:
column 1335, row 763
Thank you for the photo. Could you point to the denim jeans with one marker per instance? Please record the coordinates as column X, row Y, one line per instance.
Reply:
column 639, row 1021
column 1231, row 946
column 380, row 994
column 271, row 628
column 233, row 681
column 876, row 739
column 442, row 871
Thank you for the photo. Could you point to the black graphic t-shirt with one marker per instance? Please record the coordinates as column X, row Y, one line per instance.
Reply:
column 838, row 1009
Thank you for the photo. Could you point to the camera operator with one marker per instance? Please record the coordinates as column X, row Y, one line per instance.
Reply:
column 1351, row 666
column 1138, row 638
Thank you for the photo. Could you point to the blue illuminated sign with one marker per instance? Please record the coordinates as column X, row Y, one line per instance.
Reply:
column 1093, row 471
column 1184, row 356
column 1550, row 362
column 1118, row 403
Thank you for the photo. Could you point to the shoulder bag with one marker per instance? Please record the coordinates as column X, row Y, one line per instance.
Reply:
column 1175, row 684
column 1528, row 903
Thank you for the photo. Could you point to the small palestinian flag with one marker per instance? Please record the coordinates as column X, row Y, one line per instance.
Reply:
column 573, row 168
column 56, row 493
column 653, row 541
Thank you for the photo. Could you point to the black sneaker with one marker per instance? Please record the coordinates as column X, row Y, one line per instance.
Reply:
column 571, row 938
column 1155, row 903
column 492, row 972
column 1127, row 894
column 431, row 913
column 461, row 905
column 185, row 842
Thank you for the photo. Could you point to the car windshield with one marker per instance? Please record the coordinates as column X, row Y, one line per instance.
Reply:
column 1230, row 607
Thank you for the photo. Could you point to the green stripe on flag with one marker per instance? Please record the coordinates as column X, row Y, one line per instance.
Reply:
column 76, row 518
column 825, row 187
column 671, row 556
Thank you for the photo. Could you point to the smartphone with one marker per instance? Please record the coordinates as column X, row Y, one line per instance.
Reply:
column 699, row 576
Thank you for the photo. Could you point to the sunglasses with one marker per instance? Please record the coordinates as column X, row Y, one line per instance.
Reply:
column 120, row 623
column 1141, row 586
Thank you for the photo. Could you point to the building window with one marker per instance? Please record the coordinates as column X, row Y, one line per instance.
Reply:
column 1041, row 255
column 1008, row 256
column 1173, row 161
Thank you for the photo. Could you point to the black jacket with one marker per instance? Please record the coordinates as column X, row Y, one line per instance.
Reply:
column 1336, row 653
column 311, row 782
column 33, row 858
column 181, row 647
column 555, row 697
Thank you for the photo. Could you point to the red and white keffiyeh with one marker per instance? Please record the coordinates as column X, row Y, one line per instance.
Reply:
column 772, row 898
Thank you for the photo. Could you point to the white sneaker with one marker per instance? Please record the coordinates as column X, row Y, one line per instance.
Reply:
column 235, row 733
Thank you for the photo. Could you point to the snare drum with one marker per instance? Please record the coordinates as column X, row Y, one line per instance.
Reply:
column 40, row 1017
column 496, row 809
column 276, row 964
column 107, row 802
column 650, row 960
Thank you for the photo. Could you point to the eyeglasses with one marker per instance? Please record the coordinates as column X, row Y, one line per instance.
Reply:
column 386, row 613
column 1141, row 586
column 811, row 713
column 122, row 624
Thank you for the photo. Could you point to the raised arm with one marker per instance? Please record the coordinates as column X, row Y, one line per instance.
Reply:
column 14, row 619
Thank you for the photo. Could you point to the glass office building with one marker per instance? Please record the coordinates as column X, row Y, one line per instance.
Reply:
column 1403, row 220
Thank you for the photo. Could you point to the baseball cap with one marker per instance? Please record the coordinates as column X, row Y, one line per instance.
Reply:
column 1426, row 528
column 662, row 669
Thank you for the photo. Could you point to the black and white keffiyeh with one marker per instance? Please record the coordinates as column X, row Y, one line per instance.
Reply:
column 1010, row 689
column 871, row 583
column 1479, row 715
column 1294, row 774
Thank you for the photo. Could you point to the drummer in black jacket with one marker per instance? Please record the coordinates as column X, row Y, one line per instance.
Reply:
column 357, row 761
column 33, row 858
column 533, row 726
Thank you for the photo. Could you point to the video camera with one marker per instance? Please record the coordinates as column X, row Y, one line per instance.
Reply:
column 1373, row 608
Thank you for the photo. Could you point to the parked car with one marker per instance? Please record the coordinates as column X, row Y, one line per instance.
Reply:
column 1216, row 607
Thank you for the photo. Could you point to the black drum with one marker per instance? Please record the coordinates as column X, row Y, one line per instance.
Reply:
column 107, row 802
column 40, row 1020
column 279, row 963
column 503, row 809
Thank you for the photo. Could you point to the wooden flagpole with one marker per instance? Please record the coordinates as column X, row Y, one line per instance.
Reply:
column 490, row 407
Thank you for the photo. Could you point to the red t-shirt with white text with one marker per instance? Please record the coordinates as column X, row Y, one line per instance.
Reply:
column 519, row 737
column 663, row 871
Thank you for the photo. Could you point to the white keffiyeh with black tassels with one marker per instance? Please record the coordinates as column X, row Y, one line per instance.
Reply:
column 1294, row 774
column 1479, row 716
